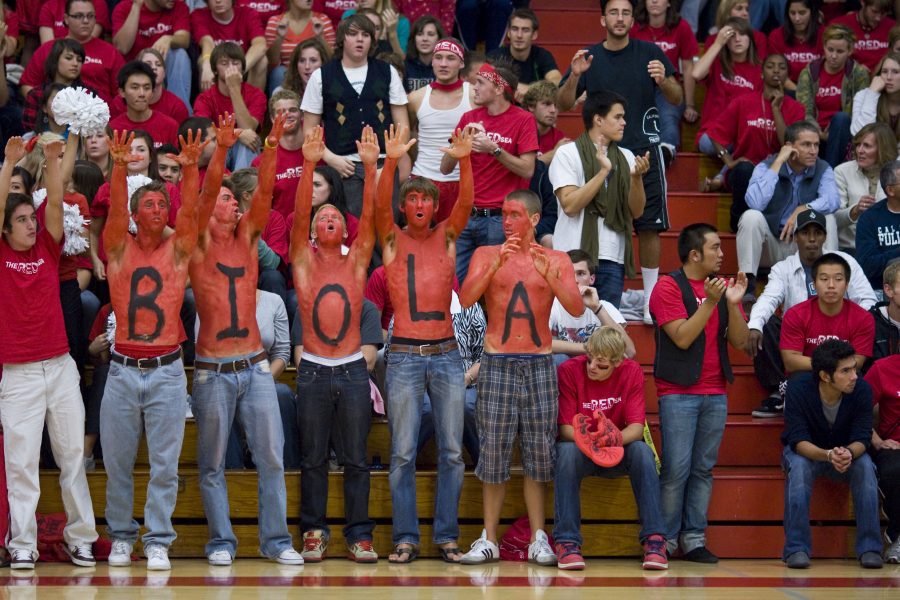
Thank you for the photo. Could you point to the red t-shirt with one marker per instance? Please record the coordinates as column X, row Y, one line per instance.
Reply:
column 667, row 305
column 276, row 235
column 884, row 377
column 805, row 326
column 870, row 46
column 32, row 326
column 101, row 66
column 243, row 27
column 213, row 103
column 759, row 38
column 828, row 96
column 377, row 293
column 799, row 55
column 749, row 125
column 265, row 9
column 676, row 43
column 288, row 169
column 12, row 22
column 515, row 131
column 621, row 397
column 152, row 25
column 168, row 104
column 68, row 265
column 28, row 12
column 54, row 11
column 163, row 129
column 720, row 90
column 335, row 9
column 547, row 142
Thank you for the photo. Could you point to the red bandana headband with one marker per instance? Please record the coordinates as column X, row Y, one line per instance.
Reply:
column 488, row 72
column 448, row 45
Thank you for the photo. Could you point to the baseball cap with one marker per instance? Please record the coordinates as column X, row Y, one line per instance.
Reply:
column 810, row 216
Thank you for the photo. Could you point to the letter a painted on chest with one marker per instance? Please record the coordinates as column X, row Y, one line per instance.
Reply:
column 520, row 294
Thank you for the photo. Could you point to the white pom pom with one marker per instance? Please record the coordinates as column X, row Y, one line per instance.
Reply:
column 38, row 196
column 73, row 229
column 81, row 110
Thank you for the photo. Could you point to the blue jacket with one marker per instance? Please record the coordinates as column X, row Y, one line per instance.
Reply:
column 804, row 419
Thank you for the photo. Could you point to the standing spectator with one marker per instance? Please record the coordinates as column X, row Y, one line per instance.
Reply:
column 307, row 56
column 696, row 314
column 799, row 39
column 857, row 180
column 884, row 379
column 635, row 69
column 878, row 229
column 881, row 100
column 540, row 100
column 534, row 63
column 224, row 22
column 827, row 87
column 163, row 25
column 482, row 20
column 871, row 27
column 52, row 20
column 136, row 84
column 418, row 71
column 284, row 32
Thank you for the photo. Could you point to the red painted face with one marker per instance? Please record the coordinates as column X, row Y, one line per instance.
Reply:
column 328, row 228
column 516, row 220
column 152, row 212
column 227, row 210
column 419, row 209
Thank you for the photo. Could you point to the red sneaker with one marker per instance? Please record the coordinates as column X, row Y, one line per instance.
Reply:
column 568, row 556
column 655, row 553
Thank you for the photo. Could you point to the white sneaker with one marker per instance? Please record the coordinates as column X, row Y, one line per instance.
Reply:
column 483, row 551
column 120, row 555
column 540, row 552
column 220, row 558
column 157, row 558
column 289, row 556
column 892, row 554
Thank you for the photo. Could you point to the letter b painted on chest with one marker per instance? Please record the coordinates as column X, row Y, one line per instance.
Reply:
column 145, row 302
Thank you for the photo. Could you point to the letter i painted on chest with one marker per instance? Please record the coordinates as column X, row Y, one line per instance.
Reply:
column 414, row 312
column 520, row 294
column 232, row 331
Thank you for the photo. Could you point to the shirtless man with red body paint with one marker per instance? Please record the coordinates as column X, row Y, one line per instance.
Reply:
column 420, row 265
column 146, row 389
column 332, row 379
column 517, row 388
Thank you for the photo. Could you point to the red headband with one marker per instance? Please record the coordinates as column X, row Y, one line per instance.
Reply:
column 488, row 72
column 448, row 45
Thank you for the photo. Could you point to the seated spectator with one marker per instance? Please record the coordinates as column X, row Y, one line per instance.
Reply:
column 102, row 61
column 827, row 431
column 224, row 22
column 63, row 67
column 540, row 100
column 425, row 34
column 570, row 333
column 781, row 187
column 470, row 14
column 857, row 180
column 749, row 130
column 263, row 9
column 738, row 9
column 730, row 67
column 395, row 26
column 163, row 25
column 136, row 84
column 871, row 27
column 289, row 154
column 231, row 94
column 285, row 31
column 881, row 100
column 9, row 40
column 884, row 379
column 534, row 63
column 659, row 22
column 444, row 10
column 799, row 39
column 827, row 86
column 790, row 283
column 307, row 56
column 605, row 381
column 887, row 314
column 894, row 39
column 44, row 119
column 52, row 19
column 95, row 148
column 207, row 134
column 878, row 229
column 827, row 315
column 169, row 169
column 161, row 99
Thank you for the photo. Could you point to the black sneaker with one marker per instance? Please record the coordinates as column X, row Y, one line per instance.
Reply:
column 701, row 555
column 871, row 560
column 773, row 406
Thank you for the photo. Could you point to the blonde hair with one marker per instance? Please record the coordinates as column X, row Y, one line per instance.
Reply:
column 34, row 159
column 891, row 273
column 606, row 342
column 836, row 31
column 312, row 223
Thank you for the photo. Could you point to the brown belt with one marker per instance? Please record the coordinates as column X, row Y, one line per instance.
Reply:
column 427, row 349
column 232, row 366
column 147, row 363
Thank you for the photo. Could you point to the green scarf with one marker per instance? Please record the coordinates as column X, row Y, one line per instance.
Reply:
column 610, row 203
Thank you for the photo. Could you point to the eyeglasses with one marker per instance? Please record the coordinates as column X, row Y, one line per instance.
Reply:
column 83, row 16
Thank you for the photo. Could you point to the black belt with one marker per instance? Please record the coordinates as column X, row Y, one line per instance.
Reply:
column 487, row 212
column 147, row 363
column 232, row 366
column 426, row 349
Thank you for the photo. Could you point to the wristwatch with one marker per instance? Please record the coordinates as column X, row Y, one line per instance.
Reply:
column 497, row 152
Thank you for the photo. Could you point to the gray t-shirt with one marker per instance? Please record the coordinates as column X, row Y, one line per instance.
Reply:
column 831, row 412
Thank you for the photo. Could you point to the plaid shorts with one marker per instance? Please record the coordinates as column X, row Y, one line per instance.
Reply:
column 517, row 394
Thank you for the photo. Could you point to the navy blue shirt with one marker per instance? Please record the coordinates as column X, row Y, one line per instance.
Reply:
column 804, row 418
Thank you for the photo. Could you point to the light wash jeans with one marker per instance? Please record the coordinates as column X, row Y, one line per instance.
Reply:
column 249, row 395
column 669, row 120
column 178, row 76
column 152, row 401
column 692, row 427
column 409, row 377
column 30, row 393
column 479, row 231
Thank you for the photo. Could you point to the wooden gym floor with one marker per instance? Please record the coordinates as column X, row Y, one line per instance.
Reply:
column 337, row 578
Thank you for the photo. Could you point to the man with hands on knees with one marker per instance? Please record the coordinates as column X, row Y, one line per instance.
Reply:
column 827, row 431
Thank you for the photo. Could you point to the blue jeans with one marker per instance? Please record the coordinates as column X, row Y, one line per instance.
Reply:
column 178, row 76
column 572, row 466
column 610, row 281
column 834, row 149
column 239, row 157
column 156, row 398
column 488, row 16
column 761, row 9
column 801, row 472
column 692, row 427
column 409, row 377
column 324, row 395
column 669, row 120
column 275, row 79
column 479, row 231
column 470, row 427
column 249, row 395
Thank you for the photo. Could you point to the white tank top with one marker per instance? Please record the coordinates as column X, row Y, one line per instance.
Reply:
column 435, row 128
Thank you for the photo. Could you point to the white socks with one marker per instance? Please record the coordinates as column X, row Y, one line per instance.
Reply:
column 649, row 276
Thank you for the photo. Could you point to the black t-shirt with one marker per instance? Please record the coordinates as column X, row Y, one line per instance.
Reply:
column 534, row 68
column 625, row 72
